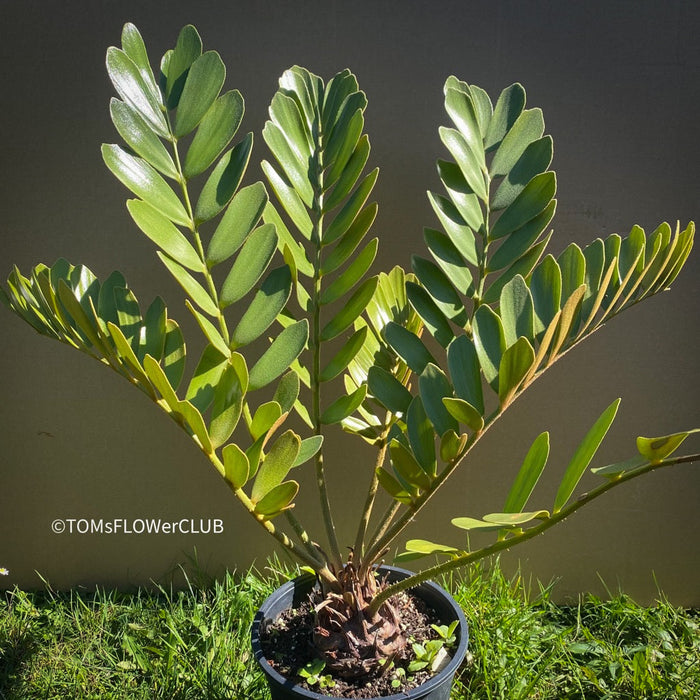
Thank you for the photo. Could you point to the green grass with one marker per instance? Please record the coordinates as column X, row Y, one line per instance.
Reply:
column 193, row 644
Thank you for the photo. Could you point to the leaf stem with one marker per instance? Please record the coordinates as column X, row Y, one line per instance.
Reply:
column 358, row 549
column 467, row 558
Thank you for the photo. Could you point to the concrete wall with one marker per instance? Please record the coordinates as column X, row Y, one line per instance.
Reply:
column 619, row 83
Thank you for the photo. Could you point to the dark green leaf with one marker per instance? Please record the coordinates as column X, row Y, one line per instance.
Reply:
column 343, row 142
column 528, row 127
column 508, row 108
column 462, row 198
column 406, row 466
column 535, row 160
column 573, row 269
column 519, row 242
column 266, row 416
column 351, row 275
column 408, row 347
column 205, row 79
column 350, row 174
column 354, row 306
column 517, row 311
column 223, row 181
column 527, row 205
column 388, row 390
column 489, row 343
column 187, row 49
column 583, row 455
column 295, row 167
column 450, row 260
column 433, row 318
column 465, row 374
column 128, row 315
column 344, row 356
column 154, row 327
column 241, row 217
column 545, row 286
column 460, row 107
column 143, row 180
column 285, row 348
column 348, row 214
column 441, row 290
column 290, row 200
column 346, row 246
column 135, row 49
column 460, row 234
column 421, row 436
column 210, row 331
column 217, row 128
column 434, row 387
column 523, row 266
column 106, row 306
column 392, row 486
column 343, row 407
column 266, row 305
column 251, row 263
column 285, row 113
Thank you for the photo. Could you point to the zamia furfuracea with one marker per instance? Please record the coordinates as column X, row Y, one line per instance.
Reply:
column 278, row 276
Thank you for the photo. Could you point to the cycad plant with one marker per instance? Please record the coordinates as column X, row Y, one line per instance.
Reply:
column 278, row 277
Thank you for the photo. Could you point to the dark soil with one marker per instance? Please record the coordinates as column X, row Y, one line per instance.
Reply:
column 288, row 647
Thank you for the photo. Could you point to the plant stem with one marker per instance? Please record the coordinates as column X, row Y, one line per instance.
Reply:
column 467, row 558
column 358, row 550
column 211, row 287
column 315, row 340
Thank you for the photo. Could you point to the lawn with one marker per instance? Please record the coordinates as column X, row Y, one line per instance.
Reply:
column 192, row 644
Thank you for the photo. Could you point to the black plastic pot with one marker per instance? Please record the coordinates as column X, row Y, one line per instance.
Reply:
column 294, row 592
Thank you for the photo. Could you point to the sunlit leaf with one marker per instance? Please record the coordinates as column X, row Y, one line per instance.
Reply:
column 529, row 475
column 140, row 137
column 583, row 455
column 145, row 182
column 276, row 465
column 236, row 465
column 164, row 234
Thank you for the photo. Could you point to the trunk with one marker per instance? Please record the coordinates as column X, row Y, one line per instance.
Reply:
column 352, row 642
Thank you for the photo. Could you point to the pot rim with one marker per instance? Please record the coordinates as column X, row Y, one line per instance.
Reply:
column 434, row 681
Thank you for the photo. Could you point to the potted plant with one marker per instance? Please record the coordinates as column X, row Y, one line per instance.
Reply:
column 418, row 364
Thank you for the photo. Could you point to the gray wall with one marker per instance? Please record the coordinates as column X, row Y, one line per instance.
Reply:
column 619, row 83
